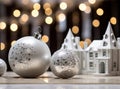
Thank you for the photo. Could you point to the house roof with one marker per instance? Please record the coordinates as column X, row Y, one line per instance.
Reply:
column 109, row 40
column 94, row 45
column 71, row 42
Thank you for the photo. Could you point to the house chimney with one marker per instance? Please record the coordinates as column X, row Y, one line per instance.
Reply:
column 118, row 42
column 118, row 39
column 85, row 45
column 77, row 40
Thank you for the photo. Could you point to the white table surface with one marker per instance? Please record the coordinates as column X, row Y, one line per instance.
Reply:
column 48, row 80
column 58, row 86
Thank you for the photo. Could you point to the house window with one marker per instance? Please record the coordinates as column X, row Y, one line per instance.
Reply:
column 106, row 36
column 114, row 65
column 90, row 64
column 75, row 45
column 104, row 53
column 66, row 40
column 114, row 43
column 105, row 43
column 64, row 46
column 73, row 40
column 96, row 54
column 112, row 35
column 91, row 54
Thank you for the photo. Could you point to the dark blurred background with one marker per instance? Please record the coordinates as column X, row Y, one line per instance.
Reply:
column 87, row 19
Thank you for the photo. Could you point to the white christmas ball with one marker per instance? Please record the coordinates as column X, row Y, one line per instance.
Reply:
column 3, row 67
column 64, row 63
column 29, row 57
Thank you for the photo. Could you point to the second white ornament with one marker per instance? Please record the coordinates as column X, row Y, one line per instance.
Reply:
column 65, row 63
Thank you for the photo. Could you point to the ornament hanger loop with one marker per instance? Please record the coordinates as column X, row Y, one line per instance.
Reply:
column 37, row 34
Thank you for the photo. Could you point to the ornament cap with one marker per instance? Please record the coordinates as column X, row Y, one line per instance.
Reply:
column 37, row 35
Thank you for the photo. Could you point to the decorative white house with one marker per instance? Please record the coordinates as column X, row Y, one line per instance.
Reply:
column 91, row 53
column 100, row 57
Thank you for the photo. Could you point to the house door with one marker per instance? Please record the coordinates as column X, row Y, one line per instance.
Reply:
column 102, row 67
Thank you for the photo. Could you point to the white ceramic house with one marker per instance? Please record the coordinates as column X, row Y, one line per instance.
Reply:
column 100, row 57
column 103, row 55
column 91, row 53
column 108, row 57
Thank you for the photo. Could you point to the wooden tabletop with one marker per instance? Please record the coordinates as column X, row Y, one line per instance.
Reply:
column 50, row 78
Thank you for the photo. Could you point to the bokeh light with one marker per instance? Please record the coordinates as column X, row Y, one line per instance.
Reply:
column 2, row 25
column 82, row 7
column 13, row 42
column 24, row 18
column 49, row 20
column 25, row 2
column 113, row 20
column 13, row 27
column 88, row 9
column 88, row 41
column 45, row 38
column 16, row 13
column 48, row 11
column 34, row 13
column 46, row 5
column 100, row 11
column 2, row 46
column 61, row 17
column 82, row 44
column 96, row 23
column 63, row 5
column 75, row 29
column 92, row 1
column 36, row 6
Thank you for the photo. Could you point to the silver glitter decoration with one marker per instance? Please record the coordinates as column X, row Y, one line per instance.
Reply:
column 3, row 67
column 29, row 57
column 65, row 64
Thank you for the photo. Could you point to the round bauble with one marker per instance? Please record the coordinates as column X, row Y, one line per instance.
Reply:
column 64, row 63
column 29, row 57
column 3, row 67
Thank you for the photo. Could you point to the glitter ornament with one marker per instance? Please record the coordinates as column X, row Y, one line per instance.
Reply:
column 29, row 56
column 3, row 67
column 64, row 63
